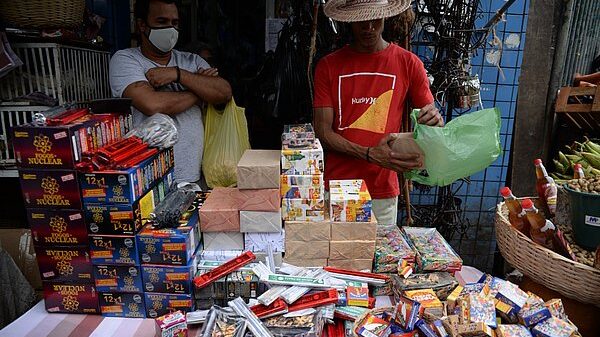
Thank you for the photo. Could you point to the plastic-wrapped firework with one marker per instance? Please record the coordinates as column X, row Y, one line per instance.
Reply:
column 223, row 322
column 170, row 210
column 433, row 252
column 157, row 130
column 254, row 324
column 39, row 118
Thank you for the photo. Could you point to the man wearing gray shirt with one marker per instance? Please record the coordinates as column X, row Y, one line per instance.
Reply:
column 160, row 79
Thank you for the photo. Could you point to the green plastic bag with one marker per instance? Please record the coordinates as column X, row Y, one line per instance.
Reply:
column 225, row 140
column 466, row 145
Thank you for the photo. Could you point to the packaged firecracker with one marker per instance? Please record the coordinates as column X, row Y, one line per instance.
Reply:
column 171, row 325
column 384, row 290
column 297, row 136
column 172, row 246
column 512, row 330
column 391, row 249
column 511, row 294
column 451, row 323
column 556, row 308
column 373, row 326
column 297, row 325
column 57, row 227
column 482, row 309
column 475, row 288
column 425, row 329
column 169, row 279
column 533, row 314
column 113, row 278
column 71, row 298
column 308, row 160
column 554, row 327
column 479, row 329
column 429, row 301
column 223, row 322
column 507, row 312
column 441, row 282
column 407, row 313
column 64, row 264
column 357, row 294
column 122, row 305
column 349, row 201
column 302, row 186
column 349, row 313
column 452, row 299
column 433, row 252
column 311, row 210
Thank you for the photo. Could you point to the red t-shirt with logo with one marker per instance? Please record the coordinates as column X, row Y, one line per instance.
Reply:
column 367, row 92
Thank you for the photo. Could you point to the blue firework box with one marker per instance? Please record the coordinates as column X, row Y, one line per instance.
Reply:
column 169, row 279
column 115, row 304
column 127, row 185
column 161, row 304
column 114, row 249
column 113, row 278
column 170, row 246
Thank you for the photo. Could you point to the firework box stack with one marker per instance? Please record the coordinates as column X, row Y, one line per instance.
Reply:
column 47, row 154
column 302, row 166
column 169, row 259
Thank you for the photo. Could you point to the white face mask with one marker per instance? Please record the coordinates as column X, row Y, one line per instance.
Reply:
column 164, row 39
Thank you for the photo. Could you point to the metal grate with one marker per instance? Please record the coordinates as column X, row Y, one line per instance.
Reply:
column 11, row 116
column 69, row 74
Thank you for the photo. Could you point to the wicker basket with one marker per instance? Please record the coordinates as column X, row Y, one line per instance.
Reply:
column 42, row 13
column 569, row 278
column 376, row 311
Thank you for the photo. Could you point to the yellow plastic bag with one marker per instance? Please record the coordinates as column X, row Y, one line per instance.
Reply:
column 225, row 140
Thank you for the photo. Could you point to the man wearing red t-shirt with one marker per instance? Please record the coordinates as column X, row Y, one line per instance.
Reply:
column 360, row 93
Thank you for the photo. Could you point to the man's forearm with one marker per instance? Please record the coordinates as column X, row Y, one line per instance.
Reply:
column 168, row 103
column 211, row 89
column 335, row 142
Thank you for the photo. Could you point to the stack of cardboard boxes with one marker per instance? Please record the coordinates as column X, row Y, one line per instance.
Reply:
column 47, row 156
column 345, row 236
column 169, row 258
column 116, row 205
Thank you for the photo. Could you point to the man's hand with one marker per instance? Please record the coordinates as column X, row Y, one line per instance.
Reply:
column 383, row 156
column 212, row 72
column 430, row 115
column 159, row 76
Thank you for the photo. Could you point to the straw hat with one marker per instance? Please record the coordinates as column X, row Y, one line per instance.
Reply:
column 364, row 10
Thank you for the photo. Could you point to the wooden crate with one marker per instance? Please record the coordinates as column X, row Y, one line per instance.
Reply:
column 580, row 106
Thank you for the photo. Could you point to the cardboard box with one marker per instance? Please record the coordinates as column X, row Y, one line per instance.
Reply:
column 298, row 250
column 162, row 304
column 223, row 241
column 258, row 169
column 125, row 219
column 65, row 264
column 112, row 278
column 114, row 249
column 18, row 244
column 128, row 185
column 351, row 250
column 114, row 304
column 71, row 298
column 57, row 227
column 309, row 210
column 61, row 146
column 265, row 200
column 349, row 201
column 258, row 242
column 302, row 186
column 169, row 279
column 308, row 231
column 306, row 262
column 170, row 246
column 260, row 222
column 55, row 189
column 354, row 231
column 475, row 330
column 305, row 161
column 358, row 265
column 512, row 330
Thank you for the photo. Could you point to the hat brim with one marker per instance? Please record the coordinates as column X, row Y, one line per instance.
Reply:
column 338, row 10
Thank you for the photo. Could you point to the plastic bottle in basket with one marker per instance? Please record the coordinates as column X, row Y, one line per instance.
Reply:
column 516, row 214
column 542, row 230
column 546, row 187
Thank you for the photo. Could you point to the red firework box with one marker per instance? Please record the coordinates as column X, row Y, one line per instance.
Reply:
column 63, row 146
column 64, row 264
column 71, row 298
column 56, row 189
column 57, row 227
column 125, row 186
